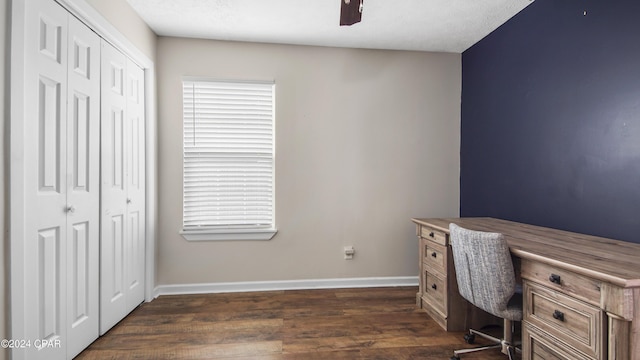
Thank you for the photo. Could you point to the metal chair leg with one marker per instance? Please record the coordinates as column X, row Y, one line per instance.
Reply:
column 505, row 344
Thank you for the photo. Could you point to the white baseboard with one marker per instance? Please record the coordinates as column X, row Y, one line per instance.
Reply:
column 212, row 288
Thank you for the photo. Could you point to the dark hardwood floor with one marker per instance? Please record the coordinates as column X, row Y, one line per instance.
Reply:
column 370, row 323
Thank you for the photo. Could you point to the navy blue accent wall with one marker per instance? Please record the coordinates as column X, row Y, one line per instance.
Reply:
column 551, row 119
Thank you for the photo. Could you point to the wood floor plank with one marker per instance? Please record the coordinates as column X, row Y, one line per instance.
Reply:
column 196, row 326
column 190, row 351
column 335, row 324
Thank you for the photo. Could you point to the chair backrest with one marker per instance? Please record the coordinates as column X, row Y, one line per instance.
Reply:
column 484, row 268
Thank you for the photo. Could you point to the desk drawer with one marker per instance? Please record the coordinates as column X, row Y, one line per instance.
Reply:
column 433, row 235
column 435, row 292
column 536, row 345
column 435, row 256
column 565, row 281
column 571, row 321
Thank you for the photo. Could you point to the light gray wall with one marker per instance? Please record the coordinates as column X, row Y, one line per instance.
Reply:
column 365, row 140
column 122, row 16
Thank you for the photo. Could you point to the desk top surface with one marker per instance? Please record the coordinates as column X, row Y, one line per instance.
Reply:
column 614, row 261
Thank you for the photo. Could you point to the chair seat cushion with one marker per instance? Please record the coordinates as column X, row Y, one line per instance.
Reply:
column 513, row 311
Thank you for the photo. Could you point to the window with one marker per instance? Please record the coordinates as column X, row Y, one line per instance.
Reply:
column 228, row 160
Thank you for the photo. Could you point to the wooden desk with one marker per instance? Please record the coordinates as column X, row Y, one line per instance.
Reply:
column 593, row 282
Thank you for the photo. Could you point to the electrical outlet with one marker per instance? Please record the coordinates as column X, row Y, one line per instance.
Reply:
column 349, row 251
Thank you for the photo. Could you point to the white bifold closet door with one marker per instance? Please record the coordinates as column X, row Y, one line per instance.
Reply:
column 61, row 183
column 123, row 192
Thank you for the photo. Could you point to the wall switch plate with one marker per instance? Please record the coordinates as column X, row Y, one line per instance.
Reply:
column 349, row 251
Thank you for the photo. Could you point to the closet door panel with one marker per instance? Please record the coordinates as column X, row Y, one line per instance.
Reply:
column 113, row 302
column 135, row 184
column 83, row 187
column 45, row 184
column 49, row 274
column 135, row 257
column 80, row 264
column 112, row 261
column 51, row 135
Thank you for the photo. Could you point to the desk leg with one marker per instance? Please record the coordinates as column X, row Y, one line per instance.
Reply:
column 634, row 334
column 618, row 339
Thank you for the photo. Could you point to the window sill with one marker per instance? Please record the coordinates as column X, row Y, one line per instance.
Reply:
column 228, row 234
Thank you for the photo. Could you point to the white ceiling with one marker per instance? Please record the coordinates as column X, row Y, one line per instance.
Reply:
column 423, row 25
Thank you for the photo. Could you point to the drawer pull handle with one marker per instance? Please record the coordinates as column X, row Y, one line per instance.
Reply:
column 434, row 287
column 555, row 279
column 558, row 315
column 434, row 254
column 431, row 234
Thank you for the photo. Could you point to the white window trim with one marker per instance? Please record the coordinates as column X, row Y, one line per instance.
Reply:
column 235, row 233
column 228, row 234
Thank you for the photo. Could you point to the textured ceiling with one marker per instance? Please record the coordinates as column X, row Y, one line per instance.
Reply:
column 423, row 25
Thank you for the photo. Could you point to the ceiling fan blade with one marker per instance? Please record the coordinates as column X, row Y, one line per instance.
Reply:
column 350, row 12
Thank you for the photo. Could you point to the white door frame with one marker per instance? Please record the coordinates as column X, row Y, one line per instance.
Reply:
column 94, row 20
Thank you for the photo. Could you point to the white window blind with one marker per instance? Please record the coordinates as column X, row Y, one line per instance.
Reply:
column 228, row 155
